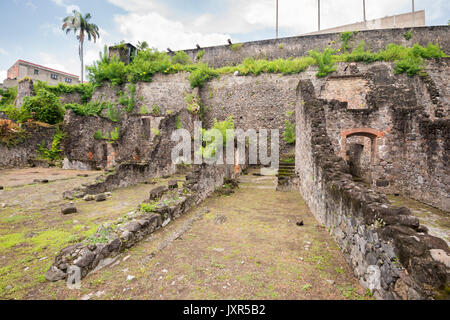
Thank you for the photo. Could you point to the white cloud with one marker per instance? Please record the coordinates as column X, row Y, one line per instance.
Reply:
column 3, row 75
column 162, row 33
column 69, row 7
column 3, row 52
column 144, row 19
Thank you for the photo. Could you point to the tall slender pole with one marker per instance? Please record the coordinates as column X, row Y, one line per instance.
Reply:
column 277, row 19
column 364, row 10
column 414, row 14
column 318, row 9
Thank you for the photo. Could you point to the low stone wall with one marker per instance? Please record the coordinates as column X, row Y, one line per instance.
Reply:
column 220, row 56
column 111, row 240
column 23, row 153
column 391, row 254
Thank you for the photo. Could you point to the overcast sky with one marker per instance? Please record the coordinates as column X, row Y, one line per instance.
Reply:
column 31, row 29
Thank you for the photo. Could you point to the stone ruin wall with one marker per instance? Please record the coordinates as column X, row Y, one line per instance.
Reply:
column 410, row 129
column 389, row 251
column 220, row 56
column 25, row 152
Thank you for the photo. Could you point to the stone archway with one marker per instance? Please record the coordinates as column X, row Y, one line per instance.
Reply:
column 372, row 134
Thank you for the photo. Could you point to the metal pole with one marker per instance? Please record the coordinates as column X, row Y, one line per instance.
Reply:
column 319, row 12
column 277, row 19
column 364, row 10
column 414, row 14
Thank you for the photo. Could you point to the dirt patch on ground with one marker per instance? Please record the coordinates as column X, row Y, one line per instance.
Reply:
column 20, row 177
column 257, row 252
column 33, row 230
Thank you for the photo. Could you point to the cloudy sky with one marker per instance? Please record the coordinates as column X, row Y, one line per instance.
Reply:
column 31, row 29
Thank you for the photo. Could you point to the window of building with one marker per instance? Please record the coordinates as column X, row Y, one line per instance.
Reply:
column 54, row 76
column 68, row 80
column 36, row 71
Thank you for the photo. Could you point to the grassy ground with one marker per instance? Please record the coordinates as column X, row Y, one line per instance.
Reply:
column 33, row 230
column 257, row 253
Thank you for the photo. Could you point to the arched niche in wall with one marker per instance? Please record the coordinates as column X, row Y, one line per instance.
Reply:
column 372, row 134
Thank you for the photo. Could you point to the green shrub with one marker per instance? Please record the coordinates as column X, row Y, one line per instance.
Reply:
column 200, row 55
column 8, row 96
column 236, row 47
column 346, row 37
column 98, row 135
column 13, row 113
column 84, row 89
column 156, row 111
column 105, row 69
column 113, row 113
column 128, row 100
column 54, row 153
column 156, row 132
column 93, row 108
column 289, row 135
column 115, row 135
column 179, row 124
column 44, row 107
column 324, row 60
column 201, row 74
column 408, row 35
column 182, row 58
column 143, row 110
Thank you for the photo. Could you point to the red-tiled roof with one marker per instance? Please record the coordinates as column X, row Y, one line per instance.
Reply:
column 44, row 67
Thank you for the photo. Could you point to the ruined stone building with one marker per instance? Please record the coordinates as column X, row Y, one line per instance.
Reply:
column 362, row 132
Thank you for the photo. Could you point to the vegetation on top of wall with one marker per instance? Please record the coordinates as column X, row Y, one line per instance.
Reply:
column 84, row 89
column 182, row 58
column 258, row 66
column 410, row 60
column 324, row 60
column 236, row 46
column 149, row 62
column 44, row 107
column 346, row 37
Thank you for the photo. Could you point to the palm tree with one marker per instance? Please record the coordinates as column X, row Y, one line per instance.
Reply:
column 81, row 27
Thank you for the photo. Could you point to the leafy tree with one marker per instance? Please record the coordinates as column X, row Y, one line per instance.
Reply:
column 80, row 26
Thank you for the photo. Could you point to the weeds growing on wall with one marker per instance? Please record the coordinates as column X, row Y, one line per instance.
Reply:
column 149, row 62
column 84, row 89
column 324, row 60
column 54, row 152
column 128, row 100
column 113, row 135
column 236, row 47
column 289, row 135
column 346, row 37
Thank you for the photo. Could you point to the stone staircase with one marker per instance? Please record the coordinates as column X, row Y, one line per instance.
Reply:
column 285, row 173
